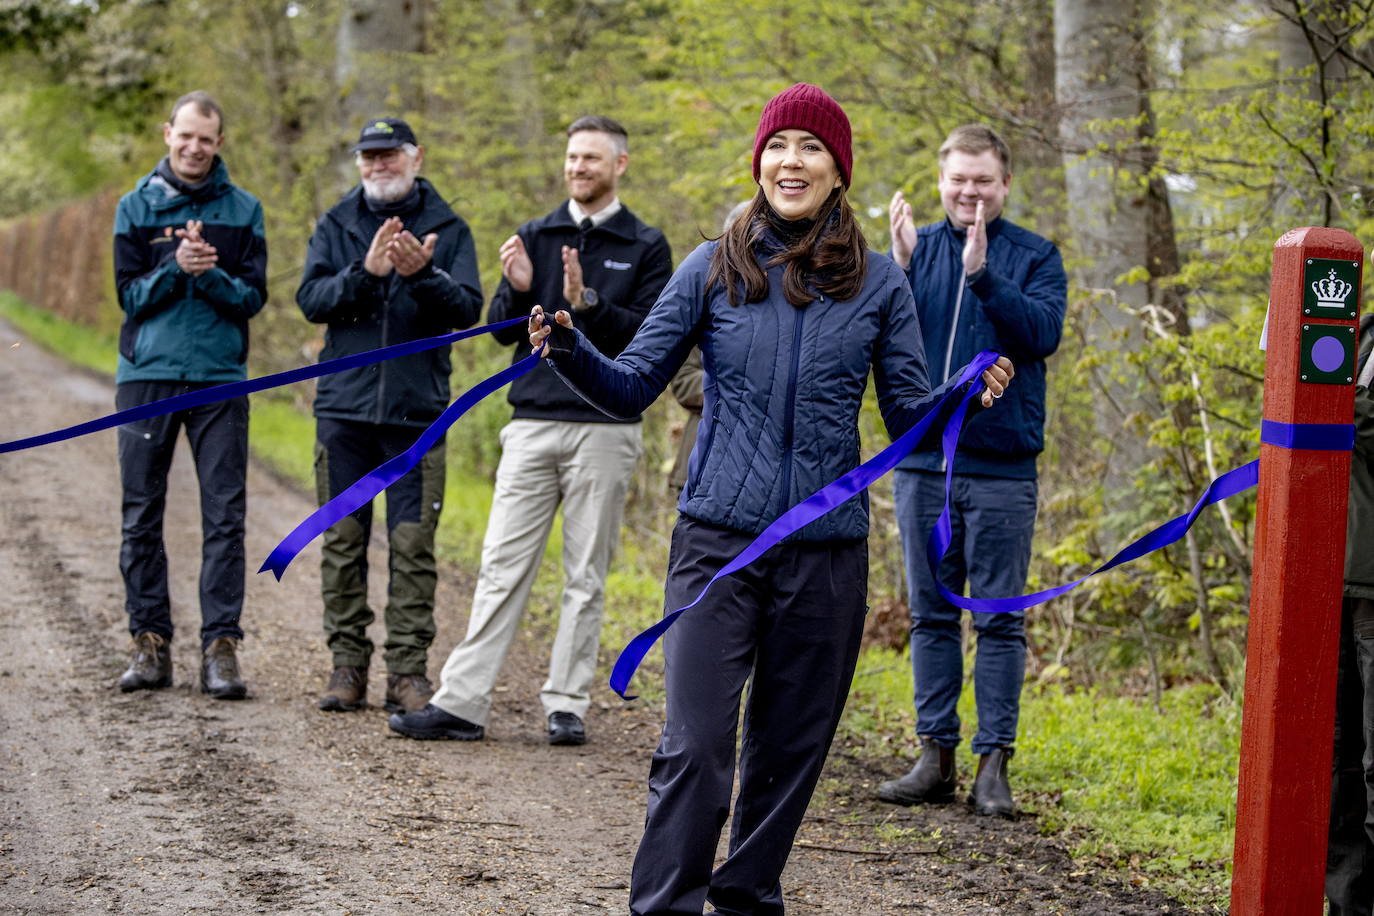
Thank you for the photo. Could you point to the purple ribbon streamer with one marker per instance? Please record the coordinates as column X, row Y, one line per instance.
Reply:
column 802, row 514
column 216, row 393
column 378, row 479
column 1316, row 436
column 1322, row 437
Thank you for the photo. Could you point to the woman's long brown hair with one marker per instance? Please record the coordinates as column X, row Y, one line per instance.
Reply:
column 830, row 258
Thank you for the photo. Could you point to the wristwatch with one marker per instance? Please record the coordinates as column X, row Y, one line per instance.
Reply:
column 590, row 299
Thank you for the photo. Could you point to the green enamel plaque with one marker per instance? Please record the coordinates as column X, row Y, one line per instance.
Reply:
column 1328, row 354
column 1330, row 288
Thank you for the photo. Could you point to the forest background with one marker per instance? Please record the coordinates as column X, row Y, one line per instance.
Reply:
column 1164, row 146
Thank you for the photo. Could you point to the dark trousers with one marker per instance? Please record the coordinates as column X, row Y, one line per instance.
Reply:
column 1350, row 840
column 992, row 520
column 345, row 451
column 793, row 620
column 218, row 434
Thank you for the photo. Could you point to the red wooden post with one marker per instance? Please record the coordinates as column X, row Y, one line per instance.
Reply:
column 1299, row 565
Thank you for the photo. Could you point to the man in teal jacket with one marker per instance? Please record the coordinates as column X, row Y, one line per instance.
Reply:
column 190, row 261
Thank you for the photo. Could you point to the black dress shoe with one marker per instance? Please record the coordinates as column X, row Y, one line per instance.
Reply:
column 566, row 728
column 991, row 793
column 219, row 671
column 150, row 664
column 932, row 780
column 433, row 724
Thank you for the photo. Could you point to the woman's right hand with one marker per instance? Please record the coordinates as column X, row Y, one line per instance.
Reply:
column 540, row 329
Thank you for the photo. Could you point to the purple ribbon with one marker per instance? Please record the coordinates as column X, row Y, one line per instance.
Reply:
column 1301, row 436
column 216, row 393
column 1322, row 437
column 804, row 513
column 378, row 479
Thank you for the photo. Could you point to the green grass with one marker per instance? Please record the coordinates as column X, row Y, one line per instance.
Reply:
column 1152, row 792
column 77, row 344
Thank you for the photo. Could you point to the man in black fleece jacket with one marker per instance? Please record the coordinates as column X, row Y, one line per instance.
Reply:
column 390, row 262
column 595, row 258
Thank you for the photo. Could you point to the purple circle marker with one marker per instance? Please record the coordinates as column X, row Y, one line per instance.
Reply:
column 1327, row 354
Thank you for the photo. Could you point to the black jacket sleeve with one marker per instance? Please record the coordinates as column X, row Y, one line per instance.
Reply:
column 613, row 324
column 335, row 288
column 452, row 292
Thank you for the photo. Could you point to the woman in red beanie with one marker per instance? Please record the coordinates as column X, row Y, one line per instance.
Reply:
column 791, row 311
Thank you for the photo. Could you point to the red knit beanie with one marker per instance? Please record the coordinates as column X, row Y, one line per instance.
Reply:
column 807, row 107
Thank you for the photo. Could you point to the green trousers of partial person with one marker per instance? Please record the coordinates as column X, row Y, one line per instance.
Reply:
column 344, row 452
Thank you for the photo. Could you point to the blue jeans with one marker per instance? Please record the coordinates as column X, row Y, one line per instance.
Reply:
column 992, row 520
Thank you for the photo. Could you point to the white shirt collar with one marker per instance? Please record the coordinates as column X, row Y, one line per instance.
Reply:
column 578, row 214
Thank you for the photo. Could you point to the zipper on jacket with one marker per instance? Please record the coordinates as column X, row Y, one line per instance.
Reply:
column 790, row 409
column 953, row 332
column 381, row 369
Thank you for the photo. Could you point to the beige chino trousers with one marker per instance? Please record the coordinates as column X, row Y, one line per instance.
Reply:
column 585, row 467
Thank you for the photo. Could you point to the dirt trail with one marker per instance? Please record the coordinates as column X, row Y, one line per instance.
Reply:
column 170, row 802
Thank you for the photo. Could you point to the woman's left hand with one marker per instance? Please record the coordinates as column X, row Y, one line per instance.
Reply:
column 997, row 377
column 540, row 329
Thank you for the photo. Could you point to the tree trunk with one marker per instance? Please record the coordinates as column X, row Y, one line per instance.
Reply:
column 370, row 70
column 1100, row 65
column 1039, row 167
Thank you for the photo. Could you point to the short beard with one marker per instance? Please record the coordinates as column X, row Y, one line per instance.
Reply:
column 598, row 190
column 388, row 190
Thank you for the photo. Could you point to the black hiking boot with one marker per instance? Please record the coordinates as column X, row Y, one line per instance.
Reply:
column 991, row 793
column 566, row 728
column 433, row 724
column 931, row 781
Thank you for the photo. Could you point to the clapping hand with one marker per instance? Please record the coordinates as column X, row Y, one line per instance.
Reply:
column 407, row 254
column 903, row 226
column 194, row 255
column 516, row 266
column 377, row 261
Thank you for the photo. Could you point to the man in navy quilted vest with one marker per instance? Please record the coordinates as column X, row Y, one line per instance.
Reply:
column 980, row 282
column 190, row 259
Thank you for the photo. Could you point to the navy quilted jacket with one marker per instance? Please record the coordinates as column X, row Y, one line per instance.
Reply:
column 783, row 386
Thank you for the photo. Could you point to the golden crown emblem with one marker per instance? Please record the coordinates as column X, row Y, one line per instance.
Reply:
column 1331, row 292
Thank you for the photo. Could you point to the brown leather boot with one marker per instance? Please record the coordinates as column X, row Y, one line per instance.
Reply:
column 933, row 779
column 991, row 793
column 150, row 664
column 407, row 692
column 219, row 670
column 347, row 690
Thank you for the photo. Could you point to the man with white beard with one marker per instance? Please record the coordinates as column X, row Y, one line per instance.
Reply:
column 391, row 262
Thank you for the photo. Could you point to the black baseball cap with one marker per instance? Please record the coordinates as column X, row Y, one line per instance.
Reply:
column 384, row 133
